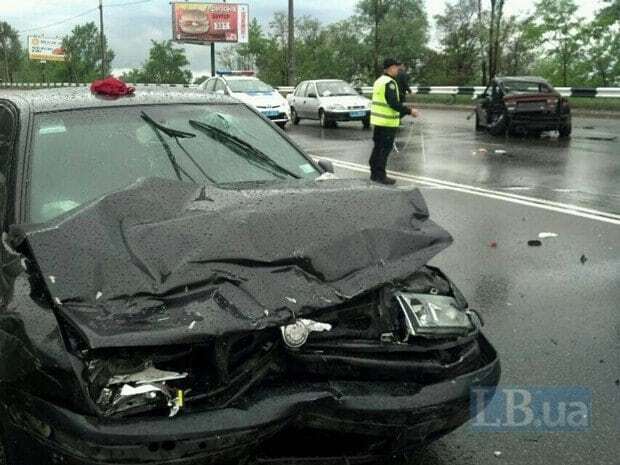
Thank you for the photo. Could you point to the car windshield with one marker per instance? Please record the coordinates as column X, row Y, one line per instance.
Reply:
column 80, row 155
column 525, row 87
column 248, row 85
column 334, row 89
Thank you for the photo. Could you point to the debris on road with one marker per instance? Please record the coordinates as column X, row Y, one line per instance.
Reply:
column 583, row 259
column 534, row 243
column 500, row 152
column 547, row 235
column 497, row 453
column 493, row 244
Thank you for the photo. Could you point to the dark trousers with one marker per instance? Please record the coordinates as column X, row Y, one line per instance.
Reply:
column 384, row 142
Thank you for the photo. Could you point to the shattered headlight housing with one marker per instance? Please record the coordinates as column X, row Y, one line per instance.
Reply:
column 435, row 315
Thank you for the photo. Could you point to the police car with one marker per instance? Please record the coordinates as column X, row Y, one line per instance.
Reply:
column 253, row 92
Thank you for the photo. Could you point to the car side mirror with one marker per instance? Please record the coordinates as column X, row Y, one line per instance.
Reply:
column 327, row 166
column 311, row 95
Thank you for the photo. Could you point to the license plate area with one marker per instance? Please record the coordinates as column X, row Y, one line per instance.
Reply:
column 532, row 106
column 357, row 114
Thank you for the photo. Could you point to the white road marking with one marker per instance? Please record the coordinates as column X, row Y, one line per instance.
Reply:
column 568, row 209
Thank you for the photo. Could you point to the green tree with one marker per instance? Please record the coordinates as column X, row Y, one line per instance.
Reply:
column 602, row 47
column 166, row 64
column 397, row 28
column 560, row 34
column 11, row 53
column 83, row 54
column 458, row 32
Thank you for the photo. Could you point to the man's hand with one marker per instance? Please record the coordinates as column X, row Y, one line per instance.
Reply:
column 414, row 113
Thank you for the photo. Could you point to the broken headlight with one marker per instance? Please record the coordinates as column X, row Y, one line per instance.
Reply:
column 435, row 315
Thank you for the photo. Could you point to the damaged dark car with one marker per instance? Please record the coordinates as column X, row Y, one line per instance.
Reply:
column 522, row 106
column 181, row 284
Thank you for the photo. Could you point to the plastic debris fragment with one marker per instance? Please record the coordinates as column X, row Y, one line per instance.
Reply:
column 534, row 243
column 546, row 235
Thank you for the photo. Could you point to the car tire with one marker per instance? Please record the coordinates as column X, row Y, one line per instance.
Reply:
column 366, row 123
column 479, row 127
column 295, row 117
column 565, row 131
column 325, row 123
column 499, row 126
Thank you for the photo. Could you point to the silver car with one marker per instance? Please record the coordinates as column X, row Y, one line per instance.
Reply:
column 329, row 101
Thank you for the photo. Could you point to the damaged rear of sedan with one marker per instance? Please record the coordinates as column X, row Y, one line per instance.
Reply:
column 182, row 284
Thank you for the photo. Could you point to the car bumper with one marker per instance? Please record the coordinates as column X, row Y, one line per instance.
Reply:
column 277, row 118
column 347, row 115
column 540, row 122
column 38, row 431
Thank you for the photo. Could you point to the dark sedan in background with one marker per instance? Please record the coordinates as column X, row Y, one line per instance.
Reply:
column 522, row 105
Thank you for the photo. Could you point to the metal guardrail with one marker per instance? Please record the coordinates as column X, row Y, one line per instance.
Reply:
column 591, row 92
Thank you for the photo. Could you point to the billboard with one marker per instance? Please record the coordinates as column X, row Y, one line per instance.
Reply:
column 205, row 23
column 45, row 49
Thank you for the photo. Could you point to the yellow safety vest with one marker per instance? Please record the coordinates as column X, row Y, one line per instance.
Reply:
column 381, row 114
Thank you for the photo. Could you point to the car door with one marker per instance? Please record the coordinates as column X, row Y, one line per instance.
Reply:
column 299, row 98
column 482, row 106
column 312, row 101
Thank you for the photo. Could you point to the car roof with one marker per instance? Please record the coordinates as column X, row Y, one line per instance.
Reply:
column 536, row 79
column 240, row 78
column 70, row 98
column 327, row 80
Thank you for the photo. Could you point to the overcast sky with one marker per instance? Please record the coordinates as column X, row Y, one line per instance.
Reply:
column 130, row 24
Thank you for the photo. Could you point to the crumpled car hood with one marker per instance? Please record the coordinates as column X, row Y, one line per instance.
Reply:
column 167, row 262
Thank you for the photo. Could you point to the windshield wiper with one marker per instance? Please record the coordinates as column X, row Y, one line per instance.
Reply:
column 173, row 161
column 247, row 148
column 176, row 134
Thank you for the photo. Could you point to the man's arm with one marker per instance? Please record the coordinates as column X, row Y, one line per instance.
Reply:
column 391, row 96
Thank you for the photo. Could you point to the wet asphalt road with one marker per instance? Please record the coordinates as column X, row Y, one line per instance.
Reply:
column 554, row 320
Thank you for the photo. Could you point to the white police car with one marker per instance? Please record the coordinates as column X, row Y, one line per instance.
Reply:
column 253, row 92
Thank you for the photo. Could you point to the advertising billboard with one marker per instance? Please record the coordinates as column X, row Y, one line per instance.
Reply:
column 205, row 23
column 45, row 49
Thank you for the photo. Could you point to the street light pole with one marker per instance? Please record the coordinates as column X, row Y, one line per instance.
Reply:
column 291, row 43
column 102, row 40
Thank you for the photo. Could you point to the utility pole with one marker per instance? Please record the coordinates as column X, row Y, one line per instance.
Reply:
column 102, row 40
column 291, row 43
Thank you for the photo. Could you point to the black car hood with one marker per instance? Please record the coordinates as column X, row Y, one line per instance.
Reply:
column 166, row 262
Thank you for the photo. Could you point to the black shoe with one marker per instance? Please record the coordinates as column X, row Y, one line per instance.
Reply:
column 387, row 181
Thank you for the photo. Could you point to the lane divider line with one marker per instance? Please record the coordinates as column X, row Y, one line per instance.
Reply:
column 568, row 209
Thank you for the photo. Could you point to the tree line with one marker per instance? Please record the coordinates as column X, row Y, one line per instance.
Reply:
column 474, row 41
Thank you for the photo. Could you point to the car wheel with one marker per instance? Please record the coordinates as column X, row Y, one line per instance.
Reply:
column 294, row 117
column 479, row 127
column 499, row 126
column 565, row 131
column 366, row 123
column 325, row 123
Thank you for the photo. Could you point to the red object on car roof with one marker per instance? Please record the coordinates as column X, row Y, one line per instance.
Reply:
column 112, row 87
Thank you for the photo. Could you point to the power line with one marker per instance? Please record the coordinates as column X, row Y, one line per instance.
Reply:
column 83, row 13
column 62, row 21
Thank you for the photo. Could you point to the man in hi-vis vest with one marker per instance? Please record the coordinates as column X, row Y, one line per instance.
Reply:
column 385, row 114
